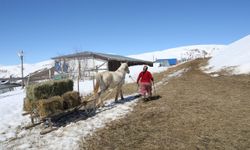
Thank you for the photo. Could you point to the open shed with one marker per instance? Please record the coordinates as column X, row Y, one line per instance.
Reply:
column 87, row 63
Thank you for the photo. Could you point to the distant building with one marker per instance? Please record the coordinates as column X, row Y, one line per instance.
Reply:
column 166, row 62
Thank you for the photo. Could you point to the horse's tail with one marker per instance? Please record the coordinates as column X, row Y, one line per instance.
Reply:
column 97, row 84
column 96, row 87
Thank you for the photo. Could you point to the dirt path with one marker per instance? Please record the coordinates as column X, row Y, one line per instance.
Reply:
column 196, row 111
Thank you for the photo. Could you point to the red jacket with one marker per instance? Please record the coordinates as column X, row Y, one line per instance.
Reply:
column 145, row 77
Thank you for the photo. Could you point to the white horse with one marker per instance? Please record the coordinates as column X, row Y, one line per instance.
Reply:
column 110, row 79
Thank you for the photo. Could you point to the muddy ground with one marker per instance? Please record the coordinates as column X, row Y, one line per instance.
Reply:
column 195, row 111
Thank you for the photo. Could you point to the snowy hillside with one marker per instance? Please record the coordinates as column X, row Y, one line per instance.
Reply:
column 15, row 70
column 236, row 55
column 181, row 53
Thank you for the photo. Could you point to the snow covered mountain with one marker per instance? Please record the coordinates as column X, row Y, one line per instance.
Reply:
column 181, row 53
column 15, row 70
column 236, row 56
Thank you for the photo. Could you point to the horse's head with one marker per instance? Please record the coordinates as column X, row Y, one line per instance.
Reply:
column 124, row 66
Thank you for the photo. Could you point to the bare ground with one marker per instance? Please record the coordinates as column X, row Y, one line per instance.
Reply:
column 195, row 111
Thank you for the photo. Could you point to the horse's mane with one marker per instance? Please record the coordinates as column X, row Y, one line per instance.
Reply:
column 122, row 67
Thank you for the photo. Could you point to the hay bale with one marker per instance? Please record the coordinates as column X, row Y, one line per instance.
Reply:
column 50, row 107
column 71, row 99
column 63, row 86
column 48, row 89
column 30, row 92
column 43, row 90
column 29, row 105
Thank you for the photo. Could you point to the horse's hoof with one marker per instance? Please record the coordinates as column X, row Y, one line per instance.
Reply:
column 101, row 105
column 145, row 99
column 98, row 105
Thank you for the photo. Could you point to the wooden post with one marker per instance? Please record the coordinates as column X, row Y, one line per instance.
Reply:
column 20, row 54
column 93, row 75
column 61, row 65
column 22, row 70
column 10, row 79
column 50, row 74
column 79, row 74
column 28, row 80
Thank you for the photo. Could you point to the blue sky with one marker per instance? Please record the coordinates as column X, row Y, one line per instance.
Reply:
column 49, row 28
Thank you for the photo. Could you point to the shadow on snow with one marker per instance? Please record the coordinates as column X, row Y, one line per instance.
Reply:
column 84, row 114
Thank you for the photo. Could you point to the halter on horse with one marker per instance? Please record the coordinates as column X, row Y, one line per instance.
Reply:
column 110, row 79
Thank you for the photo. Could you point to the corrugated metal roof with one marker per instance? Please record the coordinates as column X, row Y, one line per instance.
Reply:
column 107, row 57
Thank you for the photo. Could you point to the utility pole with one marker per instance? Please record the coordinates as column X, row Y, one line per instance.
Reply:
column 20, row 54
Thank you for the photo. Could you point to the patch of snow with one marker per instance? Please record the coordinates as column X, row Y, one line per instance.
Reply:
column 68, row 137
column 215, row 75
column 11, row 113
column 236, row 55
column 85, row 87
column 175, row 74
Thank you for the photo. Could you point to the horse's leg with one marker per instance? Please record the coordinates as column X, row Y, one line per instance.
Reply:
column 117, row 93
column 97, row 99
column 100, row 100
column 121, row 94
column 97, row 96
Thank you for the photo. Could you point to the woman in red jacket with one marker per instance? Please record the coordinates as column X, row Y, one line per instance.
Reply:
column 145, row 80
